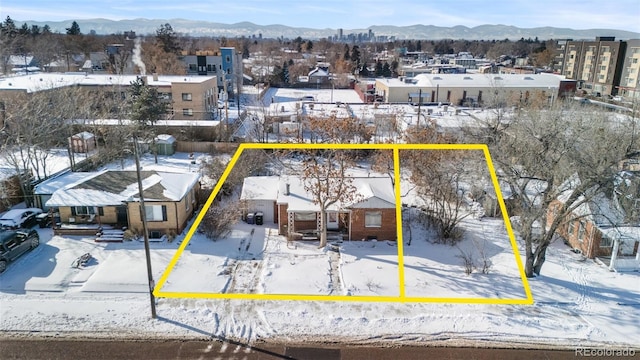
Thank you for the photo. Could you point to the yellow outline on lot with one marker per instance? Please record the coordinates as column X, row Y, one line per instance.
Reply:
column 402, row 298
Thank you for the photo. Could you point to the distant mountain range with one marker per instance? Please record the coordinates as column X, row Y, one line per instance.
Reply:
column 430, row 32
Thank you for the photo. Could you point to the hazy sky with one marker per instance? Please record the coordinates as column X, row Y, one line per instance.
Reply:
column 347, row 14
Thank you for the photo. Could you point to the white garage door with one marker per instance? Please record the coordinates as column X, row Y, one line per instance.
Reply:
column 264, row 206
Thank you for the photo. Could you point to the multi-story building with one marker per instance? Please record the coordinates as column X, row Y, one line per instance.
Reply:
column 596, row 65
column 560, row 50
column 225, row 65
column 630, row 80
column 191, row 97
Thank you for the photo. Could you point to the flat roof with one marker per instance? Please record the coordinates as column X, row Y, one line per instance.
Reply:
column 46, row 81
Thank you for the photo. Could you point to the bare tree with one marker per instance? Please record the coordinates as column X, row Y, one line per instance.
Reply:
column 541, row 151
column 325, row 177
column 438, row 176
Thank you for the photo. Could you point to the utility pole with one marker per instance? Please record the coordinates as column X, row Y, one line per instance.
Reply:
column 419, row 105
column 144, row 229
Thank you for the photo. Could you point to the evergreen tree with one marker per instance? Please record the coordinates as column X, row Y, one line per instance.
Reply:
column 24, row 29
column 386, row 70
column 168, row 39
column 46, row 29
column 74, row 29
column 309, row 45
column 346, row 56
column 364, row 71
column 146, row 105
column 378, row 68
column 35, row 30
column 355, row 54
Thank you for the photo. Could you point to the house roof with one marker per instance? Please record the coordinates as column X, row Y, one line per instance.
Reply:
column 108, row 188
column 599, row 209
column 372, row 192
column 260, row 188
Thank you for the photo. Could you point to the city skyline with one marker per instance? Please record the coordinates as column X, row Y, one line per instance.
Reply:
column 358, row 14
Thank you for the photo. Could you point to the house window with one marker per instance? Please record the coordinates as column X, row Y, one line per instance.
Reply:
column 187, row 112
column 304, row 216
column 83, row 210
column 373, row 219
column 581, row 230
column 572, row 228
column 193, row 67
column 155, row 212
column 606, row 242
column 211, row 68
column 186, row 96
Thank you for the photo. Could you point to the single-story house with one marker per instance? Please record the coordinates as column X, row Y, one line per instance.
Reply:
column 593, row 226
column 283, row 200
column 111, row 197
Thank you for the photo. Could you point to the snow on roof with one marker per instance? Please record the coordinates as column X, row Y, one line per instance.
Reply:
column 46, row 81
column 111, row 187
column 165, row 139
column 477, row 81
column 84, row 135
column 599, row 209
column 120, row 122
column 50, row 185
column 372, row 192
column 260, row 188
column 19, row 60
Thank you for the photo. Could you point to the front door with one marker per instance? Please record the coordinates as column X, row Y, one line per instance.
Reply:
column 121, row 212
column 332, row 220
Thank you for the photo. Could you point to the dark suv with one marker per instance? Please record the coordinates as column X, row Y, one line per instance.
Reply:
column 14, row 243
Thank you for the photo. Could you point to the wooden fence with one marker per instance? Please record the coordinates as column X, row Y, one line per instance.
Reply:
column 206, row 146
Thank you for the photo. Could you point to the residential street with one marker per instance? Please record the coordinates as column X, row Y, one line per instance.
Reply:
column 221, row 349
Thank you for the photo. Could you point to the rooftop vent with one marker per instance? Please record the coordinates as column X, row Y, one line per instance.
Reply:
column 528, row 78
column 467, row 78
column 437, row 78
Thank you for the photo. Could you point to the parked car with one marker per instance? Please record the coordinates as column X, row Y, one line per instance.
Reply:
column 14, row 243
column 19, row 218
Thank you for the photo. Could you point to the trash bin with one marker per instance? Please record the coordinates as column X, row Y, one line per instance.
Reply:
column 259, row 218
column 43, row 220
column 250, row 218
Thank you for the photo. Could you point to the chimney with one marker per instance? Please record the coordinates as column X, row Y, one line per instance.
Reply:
column 155, row 76
column 286, row 189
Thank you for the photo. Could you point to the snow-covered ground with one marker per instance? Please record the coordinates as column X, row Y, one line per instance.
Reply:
column 577, row 303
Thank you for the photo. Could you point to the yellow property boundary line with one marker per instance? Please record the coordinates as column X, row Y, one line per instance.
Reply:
column 402, row 298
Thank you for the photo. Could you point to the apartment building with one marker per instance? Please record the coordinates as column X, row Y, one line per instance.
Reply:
column 191, row 97
column 595, row 65
column 629, row 86
column 225, row 65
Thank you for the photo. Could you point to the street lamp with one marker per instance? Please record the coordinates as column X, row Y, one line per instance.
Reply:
column 144, row 229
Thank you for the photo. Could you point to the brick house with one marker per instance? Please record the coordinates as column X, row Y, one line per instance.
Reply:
column 284, row 201
column 111, row 197
column 593, row 227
